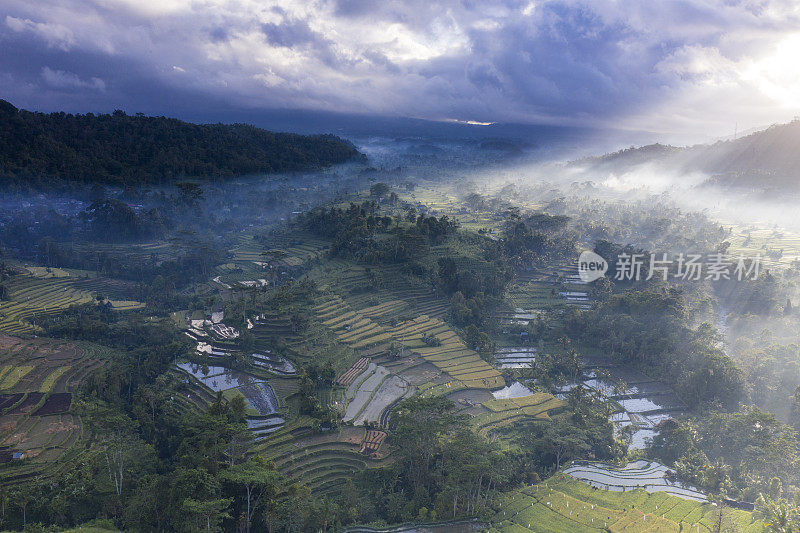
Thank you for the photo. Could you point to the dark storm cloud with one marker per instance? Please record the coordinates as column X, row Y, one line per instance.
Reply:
column 604, row 62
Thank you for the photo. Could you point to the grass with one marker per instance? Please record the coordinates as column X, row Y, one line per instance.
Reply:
column 13, row 376
column 451, row 355
column 502, row 413
column 565, row 504
column 34, row 296
column 50, row 381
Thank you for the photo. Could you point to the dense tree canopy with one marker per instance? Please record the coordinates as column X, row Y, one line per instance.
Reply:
column 121, row 149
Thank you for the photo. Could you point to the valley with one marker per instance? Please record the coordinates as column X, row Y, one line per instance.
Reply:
column 392, row 351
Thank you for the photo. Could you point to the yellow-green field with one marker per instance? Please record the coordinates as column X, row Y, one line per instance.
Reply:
column 503, row 413
column 562, row 504
column 776, row 247
column 451, row 355
column 352, row 328
column 37, row 294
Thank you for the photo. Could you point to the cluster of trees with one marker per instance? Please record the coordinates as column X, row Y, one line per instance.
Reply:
column 764, row 296
column 654, row 222
column 316, row 379
column 468, row 311
column 109, row 219
column 360, row 232
column 21, row 230
column 443, row 469
column 491, row 281
column 737, row 454
column 381, row 190
column 530, row 239
column 772, row 370
column 113, row 220
column 472, row 297
column 350, row 230
column 123, row 149
column 649, row 329
column 582, row 431
column 472, row 294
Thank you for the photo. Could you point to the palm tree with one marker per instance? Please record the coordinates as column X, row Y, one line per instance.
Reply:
column 782, row 518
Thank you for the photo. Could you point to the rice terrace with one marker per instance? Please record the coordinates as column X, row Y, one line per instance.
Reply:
column 336, row 373
column 40, row 434
column 399, row 267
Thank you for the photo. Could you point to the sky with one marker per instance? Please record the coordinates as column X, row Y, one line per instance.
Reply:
column 689, row 70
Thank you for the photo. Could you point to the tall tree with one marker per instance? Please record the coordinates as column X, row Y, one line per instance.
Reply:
column 258, row 481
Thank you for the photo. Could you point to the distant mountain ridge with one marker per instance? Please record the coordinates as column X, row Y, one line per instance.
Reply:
column 767, row 159
column 120, row 149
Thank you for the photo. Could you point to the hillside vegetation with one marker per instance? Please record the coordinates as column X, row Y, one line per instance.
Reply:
column 564, row 504
column 767, row 159
column 121, row 149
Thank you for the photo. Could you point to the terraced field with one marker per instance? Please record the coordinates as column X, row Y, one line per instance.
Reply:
column 505, row 412
column 544, row 288
column 38, row 433
column 777, row 248
column 38, row 294
column 31, row 298
column 438, row 344
column 271, row 325
column 248, row 254
column 135, row 251
column 351, row 328
column 299, row 247
column 350, row 375
column 264, row 406
column 323, row 461
column 564, row 504
column 651, row 477
column 384, row 289
column 371, row 393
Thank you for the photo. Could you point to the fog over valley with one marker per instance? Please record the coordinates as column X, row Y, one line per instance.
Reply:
column 399, row 267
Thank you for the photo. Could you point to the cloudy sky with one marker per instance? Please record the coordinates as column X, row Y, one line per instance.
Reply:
column 678, row 67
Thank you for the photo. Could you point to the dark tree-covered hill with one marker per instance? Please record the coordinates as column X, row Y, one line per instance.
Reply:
column 120, row 149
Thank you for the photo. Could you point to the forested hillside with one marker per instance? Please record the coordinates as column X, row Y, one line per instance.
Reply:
column 121, row 149
column 767, row 159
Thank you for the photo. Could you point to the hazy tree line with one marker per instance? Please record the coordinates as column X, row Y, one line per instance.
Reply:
column 735, row 454
column 120, row 149
column 361, row 232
